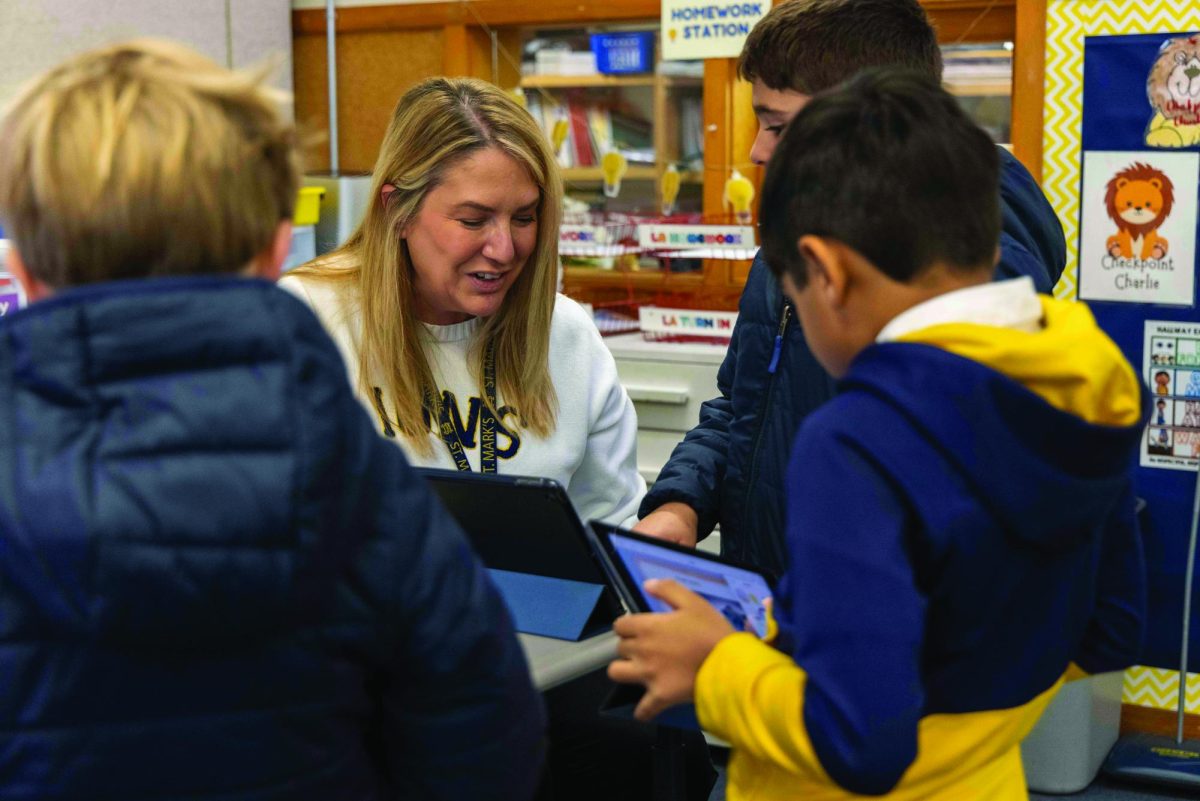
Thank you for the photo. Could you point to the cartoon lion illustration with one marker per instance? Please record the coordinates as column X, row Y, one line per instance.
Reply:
column 1174, row 91
column 1138, row 199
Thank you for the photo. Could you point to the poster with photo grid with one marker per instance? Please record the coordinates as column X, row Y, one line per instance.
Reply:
column 1171, row 368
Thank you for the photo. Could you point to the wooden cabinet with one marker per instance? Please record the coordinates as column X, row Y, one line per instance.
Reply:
column 385, row 49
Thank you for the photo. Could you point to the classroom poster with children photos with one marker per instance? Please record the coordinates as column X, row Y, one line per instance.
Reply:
column 1172, row 365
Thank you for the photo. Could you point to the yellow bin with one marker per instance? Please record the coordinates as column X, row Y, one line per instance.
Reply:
column 308, row 205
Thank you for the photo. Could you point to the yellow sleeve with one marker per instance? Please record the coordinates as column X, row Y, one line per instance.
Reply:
column 772, row 626
column 752, row 696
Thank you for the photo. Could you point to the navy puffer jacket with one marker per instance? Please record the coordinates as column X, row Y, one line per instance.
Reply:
column 730, row 468
column 216, row 580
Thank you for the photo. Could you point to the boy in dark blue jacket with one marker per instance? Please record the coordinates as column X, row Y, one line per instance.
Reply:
column 960, row 517
column 730, row 468
column 216, row 580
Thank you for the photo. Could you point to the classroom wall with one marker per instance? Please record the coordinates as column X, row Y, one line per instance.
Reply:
column 37, row 34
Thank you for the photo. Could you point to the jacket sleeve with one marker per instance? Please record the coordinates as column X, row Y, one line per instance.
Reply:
column 1031, row 236
column 1114, row 636
column 846, row 703
column 606, row 485
column 460, row 718
column 696, row 470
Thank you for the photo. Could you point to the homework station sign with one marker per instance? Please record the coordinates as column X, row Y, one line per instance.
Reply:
column 694, row 29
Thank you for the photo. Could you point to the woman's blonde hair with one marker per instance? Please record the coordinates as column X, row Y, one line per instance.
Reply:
column 435, row 125
column 144, row 159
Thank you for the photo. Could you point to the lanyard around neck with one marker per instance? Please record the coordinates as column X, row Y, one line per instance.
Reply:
column 487, row 421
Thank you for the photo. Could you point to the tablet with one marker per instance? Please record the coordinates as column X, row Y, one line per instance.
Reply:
column 738, row 592
column 522, row 525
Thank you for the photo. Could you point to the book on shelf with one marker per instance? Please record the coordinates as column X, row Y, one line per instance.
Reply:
column 631, row 131
column 596, row 126
column 546, row 111
column 601, row 129
column 691, row 127
column 638, row 155
column 581, row 134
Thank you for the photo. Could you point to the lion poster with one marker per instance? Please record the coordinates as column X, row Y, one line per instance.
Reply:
column 1173, row 88
column 1138, row 227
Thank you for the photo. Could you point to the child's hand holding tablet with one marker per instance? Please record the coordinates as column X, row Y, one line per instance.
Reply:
column 697, row 600
column 663, row 651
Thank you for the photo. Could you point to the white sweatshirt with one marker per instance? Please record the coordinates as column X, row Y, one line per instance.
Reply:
column 593, row 449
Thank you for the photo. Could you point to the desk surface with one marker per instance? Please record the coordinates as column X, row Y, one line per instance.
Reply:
column 553, row 662
column 634, row 346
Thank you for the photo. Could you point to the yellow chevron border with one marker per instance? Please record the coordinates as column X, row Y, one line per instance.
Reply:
column 1146, row 686
column 1067, row 23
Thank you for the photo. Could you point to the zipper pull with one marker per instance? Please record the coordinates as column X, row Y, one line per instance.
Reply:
column 783, row 321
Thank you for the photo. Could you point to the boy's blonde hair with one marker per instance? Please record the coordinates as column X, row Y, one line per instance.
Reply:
column 144, row 159
column 435, row 125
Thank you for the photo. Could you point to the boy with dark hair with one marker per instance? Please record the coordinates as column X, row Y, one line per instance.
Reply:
column 960, row 528
column 849, row 36
column 730, row 467
column 216, row 580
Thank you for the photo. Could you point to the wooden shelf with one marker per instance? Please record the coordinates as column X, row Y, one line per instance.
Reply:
column 976, row 53
column 583, row 81
column 637, row 279
column 594, row 174
column 592, row 81
column 639, row 172
column 984, row 88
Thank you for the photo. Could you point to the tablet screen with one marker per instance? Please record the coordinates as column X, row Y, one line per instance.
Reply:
column 736, row 593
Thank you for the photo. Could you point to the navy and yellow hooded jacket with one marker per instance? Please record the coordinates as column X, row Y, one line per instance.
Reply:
column 961, row 530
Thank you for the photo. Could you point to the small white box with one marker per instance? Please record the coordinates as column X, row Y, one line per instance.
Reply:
column 549, row 62
column 579, row 63
column 1064, row 751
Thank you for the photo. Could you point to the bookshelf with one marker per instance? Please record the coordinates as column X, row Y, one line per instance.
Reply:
column 654, row 118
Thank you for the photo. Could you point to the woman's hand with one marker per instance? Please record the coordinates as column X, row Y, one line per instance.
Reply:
column 664, row 650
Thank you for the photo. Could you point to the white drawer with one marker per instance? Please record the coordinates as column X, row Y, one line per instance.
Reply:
column 667, row 395
column 654, row 449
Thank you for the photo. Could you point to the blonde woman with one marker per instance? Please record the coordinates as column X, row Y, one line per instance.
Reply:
column 443, row 304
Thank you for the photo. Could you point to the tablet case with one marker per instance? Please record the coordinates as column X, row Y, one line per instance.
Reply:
column 527, row 533
column 551, row 607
